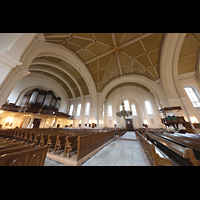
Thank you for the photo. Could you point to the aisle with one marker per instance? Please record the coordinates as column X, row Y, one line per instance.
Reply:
column 122, row 152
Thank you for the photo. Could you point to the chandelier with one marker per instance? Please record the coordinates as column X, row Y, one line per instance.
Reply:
column 123, row 113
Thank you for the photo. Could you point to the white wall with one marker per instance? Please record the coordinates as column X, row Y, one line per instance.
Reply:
column 189, row 80
column 136, row 96
column 30, row 82
column 84, row 118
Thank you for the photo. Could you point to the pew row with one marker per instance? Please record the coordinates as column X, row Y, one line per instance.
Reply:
column 153, row 158
column 183, row 152
column 30, row 157
column 87, row 144
column 71, row 143
column 170, row 144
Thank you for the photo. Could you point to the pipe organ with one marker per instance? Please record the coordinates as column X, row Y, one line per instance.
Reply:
column 44, row 99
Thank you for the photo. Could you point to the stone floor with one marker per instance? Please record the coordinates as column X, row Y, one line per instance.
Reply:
column 49, row 162
column 117, row 153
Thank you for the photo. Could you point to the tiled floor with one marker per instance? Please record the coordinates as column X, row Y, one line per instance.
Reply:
column 117, row 153
column 49, row 162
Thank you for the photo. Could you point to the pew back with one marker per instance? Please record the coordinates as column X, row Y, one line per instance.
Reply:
column 88, row 143
column 31, row 157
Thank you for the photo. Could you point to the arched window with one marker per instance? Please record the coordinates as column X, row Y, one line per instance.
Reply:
column 78, row 110
column 71, row 109
column 109, row 111
column 126, row 105
column 133, row 108
column 148, row 108
column 192, row 96
column 87, row 108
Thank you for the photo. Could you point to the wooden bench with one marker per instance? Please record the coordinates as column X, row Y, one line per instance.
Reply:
column 37, row 138
column 183, row 152
column 192, row 143
column 88, row 143
column 150, row 151
column 43, row 139
column 5, row 141
column 51, row 141
column 12, row 144
column 71, row 144
column 30, row 157
column 60, row 143
column 16, row 149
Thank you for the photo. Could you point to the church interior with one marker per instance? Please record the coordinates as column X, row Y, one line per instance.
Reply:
column 87, row 99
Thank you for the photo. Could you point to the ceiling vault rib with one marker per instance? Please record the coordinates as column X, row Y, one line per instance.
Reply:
column 100, row 56
column 116, row 53
column 57, row 36
column 134, row 40
column 119, row 47
column 111, row 55
column 146, row 52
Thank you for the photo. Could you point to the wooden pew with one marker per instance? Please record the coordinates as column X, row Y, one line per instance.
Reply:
column 181, row 151
column 43, row 140
column 6, row 141
column 191, row 143
column 60, row 143
column 71, row 144
column 88, row 143
column 51, row 141
column 31, row 137
column 31, row 157
column 9, row 145
column 16, row 149
column 150, row 151
column 37, row 138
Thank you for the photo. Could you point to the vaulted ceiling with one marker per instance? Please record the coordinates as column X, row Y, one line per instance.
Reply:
column 188, row 54
column 110, row 55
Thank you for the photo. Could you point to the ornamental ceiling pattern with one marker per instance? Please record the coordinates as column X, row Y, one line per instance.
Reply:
column 111, row 55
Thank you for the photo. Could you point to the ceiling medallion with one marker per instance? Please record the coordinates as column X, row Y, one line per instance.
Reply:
column 123, row 113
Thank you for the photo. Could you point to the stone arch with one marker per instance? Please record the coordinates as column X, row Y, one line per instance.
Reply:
column 57, row 75
column 169, row 65
column 47, row 62
column 153, row 86
column 25, row 87
column 169, row 71
column 63, row 53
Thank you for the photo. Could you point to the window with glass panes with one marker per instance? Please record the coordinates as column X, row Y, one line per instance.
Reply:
column 192, row 96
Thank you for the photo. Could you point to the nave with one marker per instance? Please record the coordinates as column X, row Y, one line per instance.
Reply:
column 124, row 151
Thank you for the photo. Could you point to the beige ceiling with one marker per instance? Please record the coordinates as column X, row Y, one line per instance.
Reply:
column 188, row 54
column 71, row 69
column 109, row 55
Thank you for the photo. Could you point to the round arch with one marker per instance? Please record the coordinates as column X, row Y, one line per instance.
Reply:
column 45, row 80
column 169, row 65
column 57, row 75
column 153, row 86
column 50, row 63
column 63, row 53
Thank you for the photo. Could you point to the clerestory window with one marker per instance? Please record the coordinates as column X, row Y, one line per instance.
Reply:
column 192, row 96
